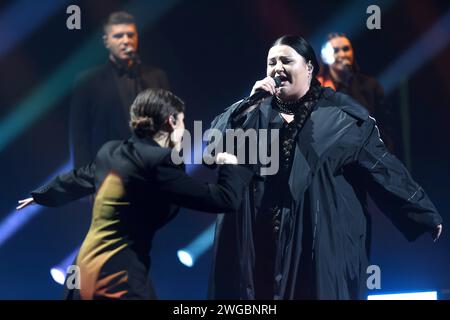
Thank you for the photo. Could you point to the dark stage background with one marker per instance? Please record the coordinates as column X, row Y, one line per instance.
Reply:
column 213, row 52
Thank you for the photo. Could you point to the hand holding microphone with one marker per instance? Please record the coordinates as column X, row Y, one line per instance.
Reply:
column 264, row 88
column 261, row 90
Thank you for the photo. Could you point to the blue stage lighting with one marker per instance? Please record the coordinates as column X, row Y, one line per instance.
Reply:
column 185, row 258
column 196, row 248
column 58, row 272
column 426, row 295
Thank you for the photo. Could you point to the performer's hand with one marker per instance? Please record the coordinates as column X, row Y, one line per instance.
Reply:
column 226, row 158
column 436, row 232
column 24, row 203
column 266, row 84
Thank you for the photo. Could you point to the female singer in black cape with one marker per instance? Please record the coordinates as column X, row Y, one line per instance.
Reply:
column 138, row 190
column 303, row 233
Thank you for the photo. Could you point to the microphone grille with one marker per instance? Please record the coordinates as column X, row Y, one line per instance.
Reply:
column 277, row 81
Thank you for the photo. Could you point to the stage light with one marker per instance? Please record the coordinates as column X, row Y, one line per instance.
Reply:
column 196, row 248
column 426, row 295
column 327, row 53
column 58, row 272
column 185, row 258
column 58, row 275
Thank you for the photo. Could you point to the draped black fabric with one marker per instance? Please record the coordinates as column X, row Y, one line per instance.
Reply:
column 320, row 250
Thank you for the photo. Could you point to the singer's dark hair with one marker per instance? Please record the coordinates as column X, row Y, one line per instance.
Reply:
column 118, row 17
column 303, row 48
column 150, row 110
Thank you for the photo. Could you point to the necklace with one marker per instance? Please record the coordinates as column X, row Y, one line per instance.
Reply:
column 294, row 107
column 288, row 107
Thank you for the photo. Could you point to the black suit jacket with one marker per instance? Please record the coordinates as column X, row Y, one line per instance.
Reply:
column 100, row 106
column 138, row 190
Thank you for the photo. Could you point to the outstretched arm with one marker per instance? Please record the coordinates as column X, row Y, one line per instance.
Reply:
column 394, row 190
column 64, row 188
column 223, row 196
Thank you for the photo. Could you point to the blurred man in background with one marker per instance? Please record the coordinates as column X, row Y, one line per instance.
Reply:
column 103, row 95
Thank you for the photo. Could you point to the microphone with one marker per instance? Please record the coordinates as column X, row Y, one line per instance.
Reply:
column 262, row 94
column 133, row 55
column 254, row 98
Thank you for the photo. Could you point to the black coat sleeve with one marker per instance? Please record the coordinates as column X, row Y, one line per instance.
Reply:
column 80, row 123
column 66, row 187
column 394, row 190
column 183, row 190
column 238, row 116
column 233, row 117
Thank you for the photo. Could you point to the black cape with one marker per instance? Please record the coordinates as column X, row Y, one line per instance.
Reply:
column 339, row 159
